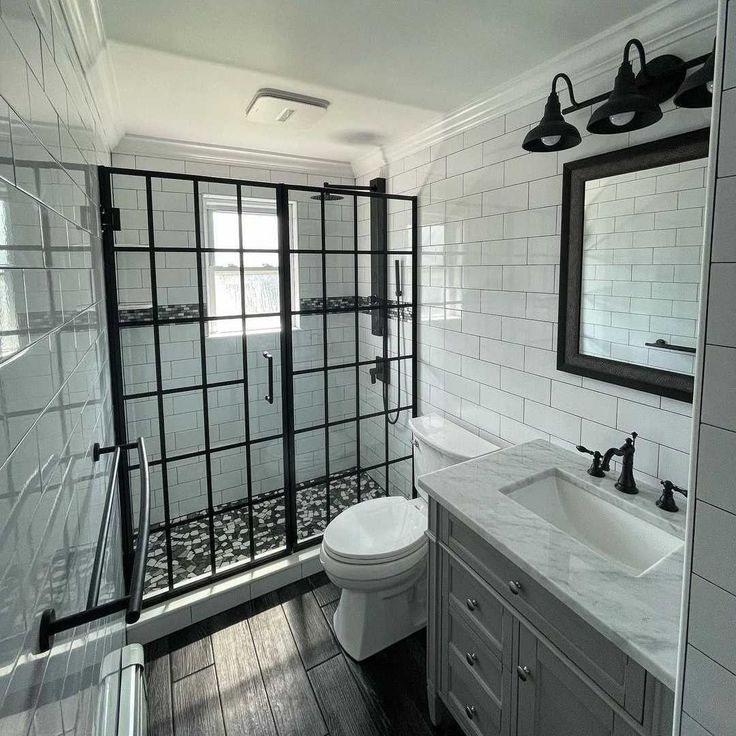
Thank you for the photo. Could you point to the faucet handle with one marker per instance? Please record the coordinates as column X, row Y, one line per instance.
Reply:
column 596, row 468
column 581, row 448
column 667, row 501
column 669, row 486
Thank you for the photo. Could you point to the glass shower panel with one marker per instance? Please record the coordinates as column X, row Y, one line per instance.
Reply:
column 243, row 466
column 269, row 497
column 172, row 211
column 138, row 357
column 129, row 195
column 264, row 379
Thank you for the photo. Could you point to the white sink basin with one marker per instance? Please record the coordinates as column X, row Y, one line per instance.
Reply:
column 572, row 506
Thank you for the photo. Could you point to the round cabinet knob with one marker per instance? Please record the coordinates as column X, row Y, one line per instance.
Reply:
column 515, row 587
column 470, row 711
column 523, row 672
column 471, row 603
column 471, row 658
column 415, row 442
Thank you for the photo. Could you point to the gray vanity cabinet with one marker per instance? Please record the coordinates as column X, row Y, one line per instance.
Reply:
column 553, row 699
column 507, row 658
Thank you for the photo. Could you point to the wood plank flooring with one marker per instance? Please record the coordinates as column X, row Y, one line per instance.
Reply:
column 273, row 668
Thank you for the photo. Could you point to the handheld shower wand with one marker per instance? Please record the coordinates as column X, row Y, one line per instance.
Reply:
column 399, row 293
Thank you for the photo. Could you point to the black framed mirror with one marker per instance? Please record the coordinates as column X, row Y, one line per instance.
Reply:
column 630, row 265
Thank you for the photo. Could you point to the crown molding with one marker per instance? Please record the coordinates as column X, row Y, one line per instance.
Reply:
column 659, row 26
column 209, row 153
column 83, row 21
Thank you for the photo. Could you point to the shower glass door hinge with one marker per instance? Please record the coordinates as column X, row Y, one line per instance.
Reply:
column 110, row 218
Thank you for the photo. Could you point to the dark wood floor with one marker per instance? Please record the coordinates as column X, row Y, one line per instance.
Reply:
column 272, row 667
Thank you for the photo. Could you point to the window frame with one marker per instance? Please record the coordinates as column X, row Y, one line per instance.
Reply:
column 213, row 203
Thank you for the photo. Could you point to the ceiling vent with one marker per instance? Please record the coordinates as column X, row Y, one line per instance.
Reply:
column 276, row 107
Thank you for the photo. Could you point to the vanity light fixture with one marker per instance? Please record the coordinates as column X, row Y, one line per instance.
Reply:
column 553, row 133
column 697, row 89
column 632, row 104
column 634, row 101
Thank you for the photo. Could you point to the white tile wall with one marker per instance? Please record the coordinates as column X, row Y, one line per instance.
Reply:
column 709, row 690
column 54, row 388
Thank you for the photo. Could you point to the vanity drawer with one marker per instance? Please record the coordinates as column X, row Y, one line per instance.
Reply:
column 475, row 708
column 469, row 594
column 473, row 651
column 599, row 658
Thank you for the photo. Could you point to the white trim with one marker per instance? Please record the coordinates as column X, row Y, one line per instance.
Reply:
column 206, row 152
column 660, row 25
column 709, row 215
column 83, row 20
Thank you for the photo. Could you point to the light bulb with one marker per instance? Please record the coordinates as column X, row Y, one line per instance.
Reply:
column 622, row 118
column 709, row 86
column 551, row 140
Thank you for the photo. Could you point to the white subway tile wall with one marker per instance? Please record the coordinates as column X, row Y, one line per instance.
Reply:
column 709, row 689
column 54, row 387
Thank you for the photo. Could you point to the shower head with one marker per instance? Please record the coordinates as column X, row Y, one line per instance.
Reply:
column 327, row 196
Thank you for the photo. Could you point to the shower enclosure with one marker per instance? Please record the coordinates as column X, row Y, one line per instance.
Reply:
column 261, row 345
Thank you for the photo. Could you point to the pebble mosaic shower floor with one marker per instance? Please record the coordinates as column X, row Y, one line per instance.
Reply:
column 190, row 547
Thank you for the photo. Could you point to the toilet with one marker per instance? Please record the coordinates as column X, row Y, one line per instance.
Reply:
column 376, row 551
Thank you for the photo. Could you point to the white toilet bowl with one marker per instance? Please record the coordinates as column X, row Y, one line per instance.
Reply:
column 376, row 552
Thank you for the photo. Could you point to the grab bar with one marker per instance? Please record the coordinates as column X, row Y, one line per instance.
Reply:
column 269, row 358
column 96, row 581
column 131, row 603
column 664, row 345
column 144, row 521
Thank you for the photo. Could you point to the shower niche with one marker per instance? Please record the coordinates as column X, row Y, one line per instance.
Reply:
column 242, row 319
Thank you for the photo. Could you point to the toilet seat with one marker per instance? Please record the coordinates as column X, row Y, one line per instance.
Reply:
column 375, row 532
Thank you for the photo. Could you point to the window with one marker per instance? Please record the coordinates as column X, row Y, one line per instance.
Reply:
column 260, row 268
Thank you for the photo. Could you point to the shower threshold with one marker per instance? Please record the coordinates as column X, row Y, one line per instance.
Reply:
column 190, row 548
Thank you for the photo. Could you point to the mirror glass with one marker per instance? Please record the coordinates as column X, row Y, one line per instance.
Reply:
column 642, row 253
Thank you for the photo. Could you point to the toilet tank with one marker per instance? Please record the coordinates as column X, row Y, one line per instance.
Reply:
column 439, row 443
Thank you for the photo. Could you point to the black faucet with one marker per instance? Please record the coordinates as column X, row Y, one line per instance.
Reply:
column 625, row 482
column 595, row 468
column 667, row 500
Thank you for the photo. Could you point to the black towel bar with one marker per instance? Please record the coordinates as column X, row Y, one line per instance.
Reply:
column 133, row 601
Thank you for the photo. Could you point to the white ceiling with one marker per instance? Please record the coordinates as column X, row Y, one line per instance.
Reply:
column 187, row 69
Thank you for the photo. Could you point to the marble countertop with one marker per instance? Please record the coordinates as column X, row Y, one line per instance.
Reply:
column 641, row 615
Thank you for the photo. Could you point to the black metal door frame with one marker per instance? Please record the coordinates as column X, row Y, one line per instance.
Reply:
column 287, row 311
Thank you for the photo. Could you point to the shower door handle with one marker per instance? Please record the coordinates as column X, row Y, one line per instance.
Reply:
column 269, row 358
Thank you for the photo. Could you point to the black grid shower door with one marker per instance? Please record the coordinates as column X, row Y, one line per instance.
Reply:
column 238, row 313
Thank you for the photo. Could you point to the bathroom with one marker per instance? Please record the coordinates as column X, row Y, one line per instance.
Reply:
column 377, row 392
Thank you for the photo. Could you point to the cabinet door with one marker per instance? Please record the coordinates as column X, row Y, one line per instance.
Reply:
column 552, row 698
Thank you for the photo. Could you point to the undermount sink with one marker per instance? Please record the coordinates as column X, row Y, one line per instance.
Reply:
column 574, row 508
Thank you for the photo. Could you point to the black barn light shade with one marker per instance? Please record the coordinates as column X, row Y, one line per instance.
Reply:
column 627, row 108
column 553, row 133
column 697, row 89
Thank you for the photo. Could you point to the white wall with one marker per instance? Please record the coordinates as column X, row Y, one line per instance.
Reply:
column 54, row 387
column 489, row 272
column 709, row 690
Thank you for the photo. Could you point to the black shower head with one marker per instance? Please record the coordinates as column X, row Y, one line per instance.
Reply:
column 328, row 197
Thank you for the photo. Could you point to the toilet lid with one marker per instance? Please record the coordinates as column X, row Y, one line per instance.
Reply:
column 380, row 529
